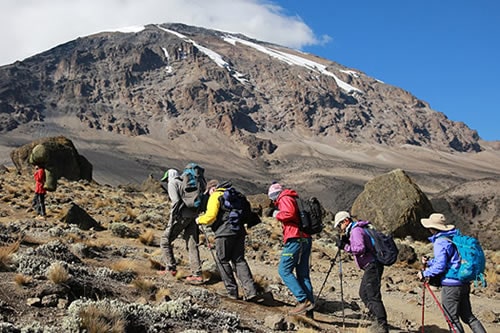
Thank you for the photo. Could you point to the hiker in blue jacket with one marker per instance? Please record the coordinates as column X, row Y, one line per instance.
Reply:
column 357, row 242
column 455, row 295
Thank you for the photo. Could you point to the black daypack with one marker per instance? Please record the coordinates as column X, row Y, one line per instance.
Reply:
column 386, row 250
column 193, row 185
column 239, row 209
column 311, row 215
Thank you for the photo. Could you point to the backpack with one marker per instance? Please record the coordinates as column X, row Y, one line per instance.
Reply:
column 386, row 251
column 311, row 215
column 193, row 185
column 472, row 260
column 239, row 209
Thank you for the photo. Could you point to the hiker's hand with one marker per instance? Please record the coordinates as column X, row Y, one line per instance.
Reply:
column 425, row 260
column 420, row 275
column 342, row 241
column 275, row 213
column 197, row 220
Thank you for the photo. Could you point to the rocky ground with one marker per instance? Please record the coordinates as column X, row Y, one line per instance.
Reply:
column 57, row 277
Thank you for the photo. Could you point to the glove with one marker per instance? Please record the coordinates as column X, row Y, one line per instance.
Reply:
column 275, row 213
column 342, row 241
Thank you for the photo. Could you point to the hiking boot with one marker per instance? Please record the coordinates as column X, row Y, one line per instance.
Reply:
column 195, row 279
column 172, row 272
column 256, row 298
column 232, row 296
column 302, row 307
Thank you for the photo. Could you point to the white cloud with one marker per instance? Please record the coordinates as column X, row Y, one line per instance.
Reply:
column 28, row 27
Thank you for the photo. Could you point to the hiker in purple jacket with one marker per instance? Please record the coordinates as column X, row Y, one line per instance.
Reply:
column 357, row 242
column 454, row 293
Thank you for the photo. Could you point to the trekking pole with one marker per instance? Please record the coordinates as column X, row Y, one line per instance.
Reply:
column 341, row 290
column 327, row 274
column 448, row 320
column 423, row 307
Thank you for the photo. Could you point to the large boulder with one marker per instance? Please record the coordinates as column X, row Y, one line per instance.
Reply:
column 59, row 157
column 394, row 204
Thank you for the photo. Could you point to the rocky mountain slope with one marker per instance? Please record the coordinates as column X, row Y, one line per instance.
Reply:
column 166, row 80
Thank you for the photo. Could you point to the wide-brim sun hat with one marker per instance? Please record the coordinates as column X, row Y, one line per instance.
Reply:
column 437, row 221
column 340, row 216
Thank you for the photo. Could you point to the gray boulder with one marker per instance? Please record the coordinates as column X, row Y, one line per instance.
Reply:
column 394, row 204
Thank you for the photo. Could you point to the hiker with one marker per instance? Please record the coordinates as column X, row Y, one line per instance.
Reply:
column 229, row 244
column 183, row 221
column 296, row 249
column 455, row 295
column 356, row 241
column 40, row 192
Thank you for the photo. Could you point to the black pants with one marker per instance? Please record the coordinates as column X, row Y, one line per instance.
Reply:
column 40, row 203
column 369, row 291
column 231, row 260
column 456, row 304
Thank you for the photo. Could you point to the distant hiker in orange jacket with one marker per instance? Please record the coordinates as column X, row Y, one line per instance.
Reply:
column 40, row 192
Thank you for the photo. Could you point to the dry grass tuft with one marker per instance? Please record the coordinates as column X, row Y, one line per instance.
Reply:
column 146, row 286
column 147, row 237
column 57, row 273
column 130, row 212
column 22, row 280
column 96, row 320
column 163, row 295
column 125, row 266
column 6, row 253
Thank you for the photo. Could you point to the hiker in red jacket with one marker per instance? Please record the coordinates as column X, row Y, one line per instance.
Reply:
column 40, row 192
column 296, row 249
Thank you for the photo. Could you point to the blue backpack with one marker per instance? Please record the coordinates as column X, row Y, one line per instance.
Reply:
column 472, row 260
column 193, row 185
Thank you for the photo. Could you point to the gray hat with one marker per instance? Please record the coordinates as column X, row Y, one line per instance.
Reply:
column 341, row 216
column 437, row 221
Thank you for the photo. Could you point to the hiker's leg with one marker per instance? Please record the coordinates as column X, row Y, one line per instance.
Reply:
column 288, row 262
column 370, row 292
column 302, row 270
column 223, row 247
column 38, row 204
column 42, row 204
column 192, row 238
column 171, row 232
column 450, row 297
column 241, row 266
column 465, row 311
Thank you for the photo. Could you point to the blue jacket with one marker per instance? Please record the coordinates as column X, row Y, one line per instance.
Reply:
column 445, row 256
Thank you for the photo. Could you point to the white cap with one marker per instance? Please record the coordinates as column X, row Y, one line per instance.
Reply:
column 341, row 216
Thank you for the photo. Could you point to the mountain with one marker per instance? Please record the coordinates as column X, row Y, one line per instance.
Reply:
column 135, row 103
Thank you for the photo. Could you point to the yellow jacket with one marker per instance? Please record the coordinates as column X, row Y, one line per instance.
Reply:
column 213, row 206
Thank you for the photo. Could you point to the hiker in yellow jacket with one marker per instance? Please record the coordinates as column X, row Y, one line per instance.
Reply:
column 229, row 243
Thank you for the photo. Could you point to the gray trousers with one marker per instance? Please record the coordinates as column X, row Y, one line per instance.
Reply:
column 456, row 304
column 191, row 237
column 231, row 253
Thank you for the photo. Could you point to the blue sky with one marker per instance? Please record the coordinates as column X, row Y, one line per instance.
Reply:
column 444, row 52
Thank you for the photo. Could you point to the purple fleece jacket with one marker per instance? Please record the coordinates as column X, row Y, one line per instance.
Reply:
column 360, row 244
column 445, row 255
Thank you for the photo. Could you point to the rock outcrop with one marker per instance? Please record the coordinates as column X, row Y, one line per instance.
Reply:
column 395, row 204
column 57, row 154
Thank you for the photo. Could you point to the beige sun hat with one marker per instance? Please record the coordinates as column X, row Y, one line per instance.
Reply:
column 341, row 216
column 437, row 221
